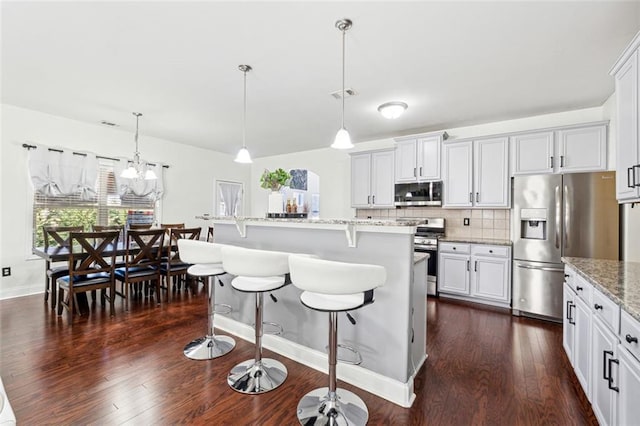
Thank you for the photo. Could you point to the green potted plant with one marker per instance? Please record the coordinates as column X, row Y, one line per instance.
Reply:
column 274, row 181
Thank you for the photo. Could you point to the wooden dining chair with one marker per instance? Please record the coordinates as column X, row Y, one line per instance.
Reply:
column 56, row 238
column 140, row 226
column 91, row 268
column 144, row 250
column 173, row 268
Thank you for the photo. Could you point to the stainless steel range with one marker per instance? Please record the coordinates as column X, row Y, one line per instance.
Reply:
column 426, row 241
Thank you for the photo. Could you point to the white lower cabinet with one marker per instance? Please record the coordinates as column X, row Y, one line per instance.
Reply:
column 476, row 272
column 604, row 352
column 576, row 334
column 602, row 343
column 629, row 388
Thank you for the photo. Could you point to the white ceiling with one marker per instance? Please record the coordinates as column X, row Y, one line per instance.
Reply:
column 454, row 63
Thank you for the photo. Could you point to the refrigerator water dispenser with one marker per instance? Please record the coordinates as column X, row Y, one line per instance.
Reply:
column 533, row 224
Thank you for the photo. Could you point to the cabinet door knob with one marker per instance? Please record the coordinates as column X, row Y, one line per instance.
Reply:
column 454, row 248
column 597, row 307
column 630, row 339
column 490, row 251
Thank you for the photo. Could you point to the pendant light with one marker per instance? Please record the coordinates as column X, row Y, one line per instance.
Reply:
column 138, row 169
column 243, row 155
column 343, row 140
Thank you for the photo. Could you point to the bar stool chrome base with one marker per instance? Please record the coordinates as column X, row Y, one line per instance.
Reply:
column 255, row 377
column 345, row 408
column 209, row 347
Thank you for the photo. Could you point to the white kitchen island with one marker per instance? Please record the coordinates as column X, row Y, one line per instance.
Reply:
column 390, row 334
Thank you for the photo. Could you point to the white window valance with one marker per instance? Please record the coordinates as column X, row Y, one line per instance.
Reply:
column 60, row 173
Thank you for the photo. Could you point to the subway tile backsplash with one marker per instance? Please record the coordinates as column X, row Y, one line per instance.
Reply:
column 483, row 223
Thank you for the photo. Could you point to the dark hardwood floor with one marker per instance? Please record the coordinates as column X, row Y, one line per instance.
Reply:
column 485, row 367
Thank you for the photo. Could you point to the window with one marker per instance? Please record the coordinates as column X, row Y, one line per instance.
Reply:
column 107, row 208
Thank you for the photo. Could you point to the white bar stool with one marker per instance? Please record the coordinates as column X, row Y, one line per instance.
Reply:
column 207, row 262
column 257, row 271
column 334, row 287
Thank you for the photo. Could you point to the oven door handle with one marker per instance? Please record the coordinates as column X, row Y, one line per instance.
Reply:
column 425, row 247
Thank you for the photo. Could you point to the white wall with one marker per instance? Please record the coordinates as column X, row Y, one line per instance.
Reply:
column 334, row 167
column 188, row 181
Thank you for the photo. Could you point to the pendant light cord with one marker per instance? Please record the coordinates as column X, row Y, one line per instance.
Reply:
column 244, row 112
column 343, row 68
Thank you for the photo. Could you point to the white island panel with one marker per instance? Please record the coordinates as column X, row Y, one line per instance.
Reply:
column 383, row 332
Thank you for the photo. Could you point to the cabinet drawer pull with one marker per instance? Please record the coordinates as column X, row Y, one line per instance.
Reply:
column 630, row 177
column 604, row 364
column 454, row 248
column 562, row 161
column 551, row 161
column 471, row 197
column 373, row 199
column 368, row 199
column 490, row 251
column 597, row 307
column 635, row 174
column 467, row 265
column 578, row 288
column 630, row 339
column 414, row 172
column 477, row 197
column 475, row 266
column 420, row 171
column 567, row 275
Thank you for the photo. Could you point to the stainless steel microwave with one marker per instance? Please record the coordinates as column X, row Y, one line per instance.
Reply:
column 418, row 194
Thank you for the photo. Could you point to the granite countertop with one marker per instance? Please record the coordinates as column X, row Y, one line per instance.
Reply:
column 472, row 240
column 419, row 257
column 367, row 222
column 620, row 281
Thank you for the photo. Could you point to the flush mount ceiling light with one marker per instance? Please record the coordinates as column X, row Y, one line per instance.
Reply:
column 343, row 140
column 137, row 168
column 243, row 155
column 392, row 110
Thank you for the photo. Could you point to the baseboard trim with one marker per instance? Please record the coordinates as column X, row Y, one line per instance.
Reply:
column 390, row 389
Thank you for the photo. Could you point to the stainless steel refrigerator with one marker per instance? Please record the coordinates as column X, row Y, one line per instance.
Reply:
column 573, row 215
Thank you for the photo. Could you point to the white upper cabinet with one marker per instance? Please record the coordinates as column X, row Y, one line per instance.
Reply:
column 458, row 174
column 491, row 172
column 581, row 148
column 418, row 158
column 625, row 72
column 372, row 179
column 476, row 173
column 532, row 153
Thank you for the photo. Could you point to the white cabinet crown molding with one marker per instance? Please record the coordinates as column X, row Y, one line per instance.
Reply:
column 440, row 133
column 626, row 54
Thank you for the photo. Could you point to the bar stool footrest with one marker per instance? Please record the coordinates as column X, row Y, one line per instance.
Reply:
column 354, row 359
column 222, row 308
column 270, row 328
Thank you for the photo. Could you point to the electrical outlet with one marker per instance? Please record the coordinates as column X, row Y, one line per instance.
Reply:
column 6, row 271
column 465, row 221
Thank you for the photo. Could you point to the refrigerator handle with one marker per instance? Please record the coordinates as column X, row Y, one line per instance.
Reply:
column 542, row 268
column 567, row 210
column 558, row 213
